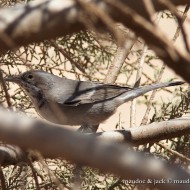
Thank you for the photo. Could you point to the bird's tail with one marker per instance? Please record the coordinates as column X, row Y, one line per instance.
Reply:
column 135, row 92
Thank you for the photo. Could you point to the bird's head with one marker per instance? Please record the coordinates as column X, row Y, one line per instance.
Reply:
column 32, row 82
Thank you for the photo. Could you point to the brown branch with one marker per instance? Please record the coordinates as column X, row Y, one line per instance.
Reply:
column 92, row 15
column 135, row 136
column 145, row 118
column 2, row 179
column 85, row 150
column 119, row 59
column 10, row 155
column 180, row 19
column 62, row 18
column 7, row 96
column 181, row 28
column 162, row 46
column 184, row 33
column 50, row 173
column 34, row 173
column 153, row 132
column 149, row 133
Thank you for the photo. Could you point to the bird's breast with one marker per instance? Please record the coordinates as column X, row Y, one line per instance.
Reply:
column 94, row 113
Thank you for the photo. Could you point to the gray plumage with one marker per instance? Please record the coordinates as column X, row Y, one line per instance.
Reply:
column 72, row 102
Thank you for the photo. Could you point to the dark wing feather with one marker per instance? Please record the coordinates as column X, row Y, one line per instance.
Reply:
column 73, row 93
column 96, row 94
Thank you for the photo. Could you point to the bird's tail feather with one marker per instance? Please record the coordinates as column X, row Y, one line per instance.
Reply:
column 129, row 95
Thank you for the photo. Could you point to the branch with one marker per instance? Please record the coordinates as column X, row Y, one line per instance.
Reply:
column 85, row 150
column 4, row 87
column 11, row 155
column 119, row 58
column 151, row 133
column 39, row 20
column 178, row 60
column 135, row 136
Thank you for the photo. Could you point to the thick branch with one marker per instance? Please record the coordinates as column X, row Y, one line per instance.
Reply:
column 55, row 141
column 48, row 19
column 40, row 20
column 149, row 133
column 135, row 136
column 10, row 155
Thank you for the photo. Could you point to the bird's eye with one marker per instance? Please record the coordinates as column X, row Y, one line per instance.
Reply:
column 30, row 76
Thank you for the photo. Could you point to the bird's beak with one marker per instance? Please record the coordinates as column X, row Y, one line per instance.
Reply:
column 15, row 79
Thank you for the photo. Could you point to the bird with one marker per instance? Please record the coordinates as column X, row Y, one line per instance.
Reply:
column 72, row 102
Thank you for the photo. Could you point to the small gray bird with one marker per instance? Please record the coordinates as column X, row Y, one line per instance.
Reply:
column 71, row 102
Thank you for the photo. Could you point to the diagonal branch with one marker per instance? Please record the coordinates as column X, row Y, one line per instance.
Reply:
column 48, row 19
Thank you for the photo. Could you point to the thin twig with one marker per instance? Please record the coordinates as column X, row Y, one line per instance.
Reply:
column 34, row 173
column 145, row 118
column 181, row 28
column 116, row 184
column 137, row 83
column 50, row 173
column 77, row 181
column 2, row 179
column 169, row 5
column 65, row 54
column 181, row 156
column 7, row 96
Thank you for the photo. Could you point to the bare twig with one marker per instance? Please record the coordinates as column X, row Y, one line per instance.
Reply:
column 137, row 83
column 7, row 96
column 51, row 174
column 34, row 173
column 2, row 179
column 181, row 28
column 65, row 54
column 181, row 156
column 119, row 59
column 164, row 48
column 145, row 118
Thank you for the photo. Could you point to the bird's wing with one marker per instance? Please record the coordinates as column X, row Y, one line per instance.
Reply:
column 95, row 94
column 73, row 93
column 88, row 92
